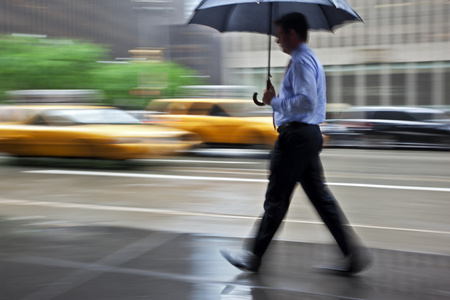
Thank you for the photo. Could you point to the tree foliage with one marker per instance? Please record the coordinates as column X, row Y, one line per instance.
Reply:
column 40, row 63
column 134, row 81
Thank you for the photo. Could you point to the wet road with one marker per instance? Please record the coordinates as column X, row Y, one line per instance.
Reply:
column 152, row 229
column 394, row 199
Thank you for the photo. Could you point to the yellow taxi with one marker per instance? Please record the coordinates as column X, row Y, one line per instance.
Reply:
column 85, row 131
column 217, row 121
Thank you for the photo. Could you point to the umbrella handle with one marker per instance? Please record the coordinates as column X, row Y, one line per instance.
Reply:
column 259, row 103
column 256, row 100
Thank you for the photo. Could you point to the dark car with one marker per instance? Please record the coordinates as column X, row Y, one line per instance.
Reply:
column 389, row 127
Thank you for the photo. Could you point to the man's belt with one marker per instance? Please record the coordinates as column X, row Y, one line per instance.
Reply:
column 292, row 125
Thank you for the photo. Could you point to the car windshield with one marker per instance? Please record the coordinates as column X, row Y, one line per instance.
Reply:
column 88, row 116
column 246, row 109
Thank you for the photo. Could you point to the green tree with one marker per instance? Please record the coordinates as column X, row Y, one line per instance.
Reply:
column 37, row 63
column 32, row 63
column 140, row 81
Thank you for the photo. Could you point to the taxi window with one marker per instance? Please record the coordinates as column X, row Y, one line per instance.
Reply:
column 15, row 115
column 178, row 108
column 47, row 118
column 5, row 115
column 39, row 120
column 218, row 111
column 159, row 106
column 65, row 117
column 200, row 108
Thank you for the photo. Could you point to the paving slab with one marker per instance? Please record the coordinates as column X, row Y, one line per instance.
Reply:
column 71, row 261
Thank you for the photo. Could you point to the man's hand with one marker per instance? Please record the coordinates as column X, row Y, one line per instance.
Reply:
column 269, row 93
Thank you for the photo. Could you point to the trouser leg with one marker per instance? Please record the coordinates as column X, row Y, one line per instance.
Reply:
column 289, row 159
column 327, row 207
column 276, row 205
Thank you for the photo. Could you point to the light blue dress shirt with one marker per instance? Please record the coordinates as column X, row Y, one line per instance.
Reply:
column 302, row 94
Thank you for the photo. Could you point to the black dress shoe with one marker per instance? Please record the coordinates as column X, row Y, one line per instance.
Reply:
column 352, row 264
column 242, row 259
column 359, row 262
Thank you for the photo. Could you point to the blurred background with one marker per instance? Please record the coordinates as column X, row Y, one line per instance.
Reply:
column 399, row 56
column 143, row 204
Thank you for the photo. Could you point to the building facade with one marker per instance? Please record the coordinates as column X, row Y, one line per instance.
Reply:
column 400, row 55
column 127, row 27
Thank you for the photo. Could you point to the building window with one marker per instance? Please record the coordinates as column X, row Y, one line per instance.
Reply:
column 447, row 87
column 373, row 82
column 398, row 89
column 349, row 89
column 423, row 88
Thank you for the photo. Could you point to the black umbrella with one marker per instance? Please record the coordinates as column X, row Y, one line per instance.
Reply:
column 258, row 16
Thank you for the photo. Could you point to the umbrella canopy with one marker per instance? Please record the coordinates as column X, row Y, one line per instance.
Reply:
column 257, row 16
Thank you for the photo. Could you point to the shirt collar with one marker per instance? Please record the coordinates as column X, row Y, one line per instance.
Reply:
column 299, row 49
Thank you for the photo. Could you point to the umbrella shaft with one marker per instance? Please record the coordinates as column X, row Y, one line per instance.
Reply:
column 270, row 42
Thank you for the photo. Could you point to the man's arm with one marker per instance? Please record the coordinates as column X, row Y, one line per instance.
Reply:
column 301, row 85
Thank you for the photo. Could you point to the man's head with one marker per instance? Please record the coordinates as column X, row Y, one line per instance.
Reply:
column 292, row 30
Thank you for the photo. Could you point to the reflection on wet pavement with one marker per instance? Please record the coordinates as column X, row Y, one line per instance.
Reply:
column 59, row 260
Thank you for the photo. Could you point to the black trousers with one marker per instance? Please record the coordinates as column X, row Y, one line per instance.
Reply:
column 295, row 159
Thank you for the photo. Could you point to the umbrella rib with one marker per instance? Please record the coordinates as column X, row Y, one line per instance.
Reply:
column 232, row 9
column 328, row 22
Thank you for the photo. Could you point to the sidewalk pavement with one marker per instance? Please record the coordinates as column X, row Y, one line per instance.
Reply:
column 46, row 260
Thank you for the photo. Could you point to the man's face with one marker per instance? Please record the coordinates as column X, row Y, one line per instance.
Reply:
column 284, row 39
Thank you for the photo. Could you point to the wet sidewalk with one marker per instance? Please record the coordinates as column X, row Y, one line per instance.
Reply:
column 41, row 260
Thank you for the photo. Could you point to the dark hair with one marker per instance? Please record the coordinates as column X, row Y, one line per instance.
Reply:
column 296, row 21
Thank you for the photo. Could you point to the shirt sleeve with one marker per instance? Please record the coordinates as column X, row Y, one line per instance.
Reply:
column 301, row 87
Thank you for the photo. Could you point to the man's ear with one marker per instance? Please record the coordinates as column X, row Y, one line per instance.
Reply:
column 293, row 34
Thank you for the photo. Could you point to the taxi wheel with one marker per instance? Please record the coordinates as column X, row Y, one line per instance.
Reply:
column 201, row 136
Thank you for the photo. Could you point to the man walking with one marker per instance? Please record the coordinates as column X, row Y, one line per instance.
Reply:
column 298, row 110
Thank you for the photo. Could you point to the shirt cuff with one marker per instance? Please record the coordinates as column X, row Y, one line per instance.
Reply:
column 276, row 103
